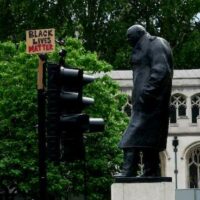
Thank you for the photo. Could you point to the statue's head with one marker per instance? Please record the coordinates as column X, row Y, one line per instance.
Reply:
column 134, row 33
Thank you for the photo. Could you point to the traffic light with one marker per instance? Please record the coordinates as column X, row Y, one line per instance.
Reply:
column 65, row 121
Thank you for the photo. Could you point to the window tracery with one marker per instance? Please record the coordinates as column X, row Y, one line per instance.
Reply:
column 194, row 167
column 177, row 107
column 127, row 108
column 195, row 106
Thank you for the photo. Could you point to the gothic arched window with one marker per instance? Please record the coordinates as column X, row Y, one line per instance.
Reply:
column 127, row 108
column 177, row 107
column 194, row 167
column 195, row 101
column 172, row 114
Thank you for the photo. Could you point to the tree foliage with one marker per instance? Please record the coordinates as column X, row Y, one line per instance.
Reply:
column 102, row 24
column 18, row 118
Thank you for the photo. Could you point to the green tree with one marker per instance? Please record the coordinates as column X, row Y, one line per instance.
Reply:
column 187, row 54
column 102, row 24
column 172, row 20
column 18, row 117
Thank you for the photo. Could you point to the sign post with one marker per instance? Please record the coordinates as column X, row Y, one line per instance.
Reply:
column 41, row 129
column 40, row 42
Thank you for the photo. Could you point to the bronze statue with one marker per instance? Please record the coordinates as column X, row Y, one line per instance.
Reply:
column 147, row 131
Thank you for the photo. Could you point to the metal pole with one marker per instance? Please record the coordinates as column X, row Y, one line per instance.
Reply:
column 41, row 130
column 85, row 172
column 175, row 143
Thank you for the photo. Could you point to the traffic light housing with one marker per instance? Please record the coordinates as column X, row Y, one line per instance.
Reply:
column 65, row 121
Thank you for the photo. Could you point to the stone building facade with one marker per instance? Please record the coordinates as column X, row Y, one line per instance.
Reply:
column 182, row 164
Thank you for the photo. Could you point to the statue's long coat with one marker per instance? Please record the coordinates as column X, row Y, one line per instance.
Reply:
column 152, row 81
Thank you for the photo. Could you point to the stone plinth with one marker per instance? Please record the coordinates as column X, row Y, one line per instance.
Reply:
column 143, row 189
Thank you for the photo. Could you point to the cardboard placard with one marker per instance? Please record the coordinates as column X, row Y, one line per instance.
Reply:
column 40, row 41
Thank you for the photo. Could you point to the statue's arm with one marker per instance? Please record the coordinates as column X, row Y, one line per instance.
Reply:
column 159, row 72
